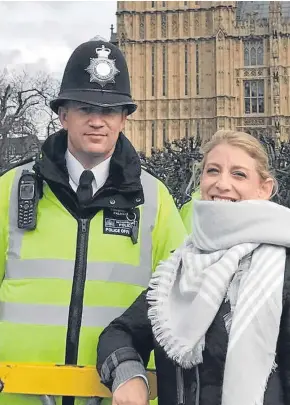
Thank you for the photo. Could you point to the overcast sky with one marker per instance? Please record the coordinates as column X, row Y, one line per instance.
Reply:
column 40, row 35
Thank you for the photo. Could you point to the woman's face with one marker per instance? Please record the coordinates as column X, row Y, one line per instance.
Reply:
column 231, row 174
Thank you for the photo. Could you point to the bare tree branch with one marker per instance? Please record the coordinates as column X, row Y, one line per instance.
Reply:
column 24, row 112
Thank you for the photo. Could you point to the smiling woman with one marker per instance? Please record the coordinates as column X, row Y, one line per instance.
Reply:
column 218, row 308
column 235, row 167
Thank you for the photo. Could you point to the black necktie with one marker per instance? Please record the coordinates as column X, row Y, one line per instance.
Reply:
column 85, row 188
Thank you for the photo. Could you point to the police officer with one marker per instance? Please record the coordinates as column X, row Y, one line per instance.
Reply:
column 79, row 244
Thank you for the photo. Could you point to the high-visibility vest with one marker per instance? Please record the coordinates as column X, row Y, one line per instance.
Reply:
column 36, row 290
column 187, row 211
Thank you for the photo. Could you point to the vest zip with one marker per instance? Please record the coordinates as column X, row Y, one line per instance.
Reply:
column 77, row 296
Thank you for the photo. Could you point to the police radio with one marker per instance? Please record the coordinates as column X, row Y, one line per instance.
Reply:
column 27, row 200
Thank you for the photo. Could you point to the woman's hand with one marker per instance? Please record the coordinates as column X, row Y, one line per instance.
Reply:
column 132, row 392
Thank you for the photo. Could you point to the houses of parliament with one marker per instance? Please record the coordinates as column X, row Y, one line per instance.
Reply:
column 200, row 66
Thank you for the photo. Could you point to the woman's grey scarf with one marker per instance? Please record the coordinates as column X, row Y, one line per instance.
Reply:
column 188, row 289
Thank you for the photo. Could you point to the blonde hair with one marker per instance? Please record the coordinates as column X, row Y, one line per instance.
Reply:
column 246, row 142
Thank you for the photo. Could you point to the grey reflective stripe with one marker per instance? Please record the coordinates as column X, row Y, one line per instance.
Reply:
column 41, row 314
column 150, row 188
column 64, row 269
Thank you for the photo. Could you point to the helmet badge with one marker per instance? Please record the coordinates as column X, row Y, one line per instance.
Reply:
column 102, row 69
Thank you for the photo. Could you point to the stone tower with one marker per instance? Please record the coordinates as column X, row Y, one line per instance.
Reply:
column 199, row 66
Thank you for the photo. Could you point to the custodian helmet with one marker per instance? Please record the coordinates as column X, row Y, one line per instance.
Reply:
column 96, row 74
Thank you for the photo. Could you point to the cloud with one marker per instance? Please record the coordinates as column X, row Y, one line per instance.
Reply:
column 44, row 33
column 9, row 56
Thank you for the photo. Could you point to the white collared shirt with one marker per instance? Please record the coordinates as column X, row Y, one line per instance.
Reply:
column 75, row 169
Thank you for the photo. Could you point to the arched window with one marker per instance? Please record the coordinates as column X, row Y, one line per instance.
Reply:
column 253, row 53
column 246, row 57
column 153, row 135
column 260, row 56
column 164, row 132
column 186, row 130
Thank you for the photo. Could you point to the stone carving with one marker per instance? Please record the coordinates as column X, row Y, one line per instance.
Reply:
column 250, row 72
column 153, row 25
column 175, row 125
column 163, row 25
column 277, row 107
column 130, row 26
column 275, row 48
column 254, row 121
column 276, row 88
column 123, row 39
column 253, row 19
column 142, row 26
column 174, row 108
column 185, row 24
column 276, row 83
column 220, row 34
column 221, row 104
column 174, row 24
column 275, row 9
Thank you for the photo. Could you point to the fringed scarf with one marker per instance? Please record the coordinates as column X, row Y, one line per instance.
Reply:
column 187, row 290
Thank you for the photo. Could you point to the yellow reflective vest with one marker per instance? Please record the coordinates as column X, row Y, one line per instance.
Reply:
column 186, row 212
column 37, row 269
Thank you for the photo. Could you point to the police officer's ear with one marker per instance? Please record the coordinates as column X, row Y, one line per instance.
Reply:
column 124, row 118
column 62, row 115
column 125, row 113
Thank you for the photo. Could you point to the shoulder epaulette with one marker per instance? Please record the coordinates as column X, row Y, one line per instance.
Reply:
column 20, row 163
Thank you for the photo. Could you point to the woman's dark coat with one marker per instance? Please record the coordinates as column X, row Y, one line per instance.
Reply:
column 132, row 333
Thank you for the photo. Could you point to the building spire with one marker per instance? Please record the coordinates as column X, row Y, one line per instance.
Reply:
column 113, row 38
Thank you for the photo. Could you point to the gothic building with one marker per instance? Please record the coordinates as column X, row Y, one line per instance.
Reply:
column 199, row 66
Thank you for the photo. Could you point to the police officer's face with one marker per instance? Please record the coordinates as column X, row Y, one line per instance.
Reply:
column 92, row 130
column 231, row 174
